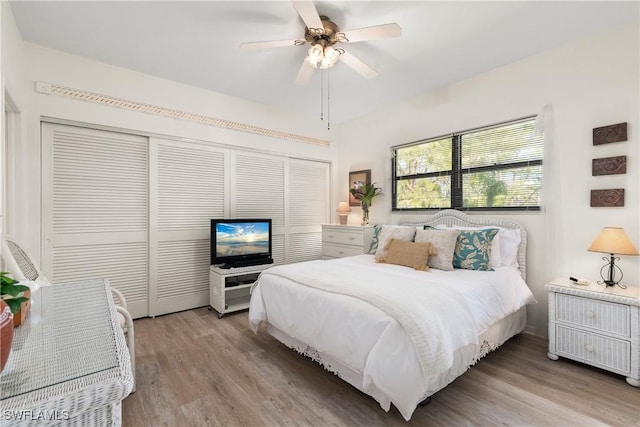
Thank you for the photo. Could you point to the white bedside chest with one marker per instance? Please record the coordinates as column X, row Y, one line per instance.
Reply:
column 596, row 325
column 345, row 240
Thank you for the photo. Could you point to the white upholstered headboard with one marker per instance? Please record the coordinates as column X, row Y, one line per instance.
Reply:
column 451, row 217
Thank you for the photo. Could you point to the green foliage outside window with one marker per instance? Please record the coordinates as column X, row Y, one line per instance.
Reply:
column 498, row 167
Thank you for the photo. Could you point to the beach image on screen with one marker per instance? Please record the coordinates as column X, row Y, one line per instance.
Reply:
column 242, row 238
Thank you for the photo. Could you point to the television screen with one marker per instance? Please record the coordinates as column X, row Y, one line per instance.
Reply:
column 240, row 240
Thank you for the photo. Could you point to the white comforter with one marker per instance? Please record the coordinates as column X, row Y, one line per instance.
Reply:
column 397, row 326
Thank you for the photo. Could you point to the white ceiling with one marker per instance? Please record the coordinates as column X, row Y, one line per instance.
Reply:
column 197, row 43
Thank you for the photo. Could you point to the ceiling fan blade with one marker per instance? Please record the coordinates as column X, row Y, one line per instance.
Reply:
column 309, row 14
column 305, row 73
column 273, row 43
column 373, row 33
column 362, row 68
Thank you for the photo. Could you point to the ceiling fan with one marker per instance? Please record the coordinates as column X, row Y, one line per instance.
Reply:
column 323, row 34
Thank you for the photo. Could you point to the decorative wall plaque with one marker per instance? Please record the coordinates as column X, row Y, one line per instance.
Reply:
column 609, row 166
column 607, row 198
column 611, row 133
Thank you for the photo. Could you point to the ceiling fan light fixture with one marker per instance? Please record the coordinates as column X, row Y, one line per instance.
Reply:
column 331, row 56
column 323, row 57
column 315, row 55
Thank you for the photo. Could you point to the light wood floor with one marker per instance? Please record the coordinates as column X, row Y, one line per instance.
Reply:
column 194, row 369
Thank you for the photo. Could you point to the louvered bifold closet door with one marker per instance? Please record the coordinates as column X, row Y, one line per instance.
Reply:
column 309, row 204
column 187, row 184
column 258, row 183
column 94, row 209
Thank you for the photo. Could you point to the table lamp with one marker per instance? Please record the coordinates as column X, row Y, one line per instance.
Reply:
column 343, row 210
column 612, row 241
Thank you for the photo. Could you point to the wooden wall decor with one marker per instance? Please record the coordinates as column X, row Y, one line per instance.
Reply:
column 609, row 134
column 609, row 166
column 607, row 198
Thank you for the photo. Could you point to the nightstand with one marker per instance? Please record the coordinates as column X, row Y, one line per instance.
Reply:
column 345, row 240
column 596, row 325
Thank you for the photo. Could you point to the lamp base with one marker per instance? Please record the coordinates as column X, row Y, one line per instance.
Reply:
column 609, row 279
column 343, row 219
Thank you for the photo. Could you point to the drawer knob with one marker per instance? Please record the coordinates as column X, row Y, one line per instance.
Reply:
column 341, row 252
column 331, row 236
column 590, row 314
column 352, row 238
column 588, row 347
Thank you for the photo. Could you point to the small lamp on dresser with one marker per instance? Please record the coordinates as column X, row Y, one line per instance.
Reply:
column 612, row 241
column 343, row 210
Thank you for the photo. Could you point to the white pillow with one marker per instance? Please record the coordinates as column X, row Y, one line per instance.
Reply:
column 495, row 258
column 509, row 243
column 389, row 232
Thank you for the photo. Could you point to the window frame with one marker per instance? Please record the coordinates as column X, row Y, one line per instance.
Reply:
column 457, row 172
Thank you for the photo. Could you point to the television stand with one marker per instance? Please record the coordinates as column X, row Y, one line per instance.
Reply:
column 230, row 288
column 246, row 263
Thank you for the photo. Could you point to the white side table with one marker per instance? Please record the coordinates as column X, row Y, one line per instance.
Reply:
column 596, row 325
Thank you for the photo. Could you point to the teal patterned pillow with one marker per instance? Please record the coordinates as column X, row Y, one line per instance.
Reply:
column 473, row 249
column 374, row 240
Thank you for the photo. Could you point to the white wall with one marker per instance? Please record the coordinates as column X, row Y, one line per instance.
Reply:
column 11, row 60
column 36, row 63
column 589, row 84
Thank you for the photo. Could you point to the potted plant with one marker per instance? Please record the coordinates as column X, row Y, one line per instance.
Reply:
column 16, row 296
column 366, row 193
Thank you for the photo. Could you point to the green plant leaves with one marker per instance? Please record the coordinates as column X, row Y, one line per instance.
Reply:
column 11, row 292
column 366, row 193
column 15, row 303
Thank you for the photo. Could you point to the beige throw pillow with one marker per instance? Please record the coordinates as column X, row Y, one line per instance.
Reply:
column 444, row 242
column 408, row 254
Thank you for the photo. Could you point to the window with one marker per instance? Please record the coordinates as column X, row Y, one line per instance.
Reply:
column 496, row 167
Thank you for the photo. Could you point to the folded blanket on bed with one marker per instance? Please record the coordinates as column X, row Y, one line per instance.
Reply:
column 436, row 318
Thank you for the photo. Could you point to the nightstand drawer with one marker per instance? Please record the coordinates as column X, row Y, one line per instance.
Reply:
column 339, row 251
column 598, row 350
column 345, row 237
column 600, row 315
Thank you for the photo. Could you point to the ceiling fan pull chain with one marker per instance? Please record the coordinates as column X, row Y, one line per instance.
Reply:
column 328, row 98
column 321, row 94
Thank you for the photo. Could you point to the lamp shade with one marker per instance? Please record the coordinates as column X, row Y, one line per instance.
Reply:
column 613, row 240
column 343, row 207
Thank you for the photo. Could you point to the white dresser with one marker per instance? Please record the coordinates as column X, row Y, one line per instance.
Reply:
column 596, row 325
column 345, row 240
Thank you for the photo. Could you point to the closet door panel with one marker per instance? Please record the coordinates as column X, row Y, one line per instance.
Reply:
column 308, row 193
column 308, row 201
column 188, row 183
column 258, row 191
column 94, row 209
column 258, row 187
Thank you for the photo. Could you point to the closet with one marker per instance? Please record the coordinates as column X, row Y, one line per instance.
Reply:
column 136, row 210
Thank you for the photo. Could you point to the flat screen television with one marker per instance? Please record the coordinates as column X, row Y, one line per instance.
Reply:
column 240, row 242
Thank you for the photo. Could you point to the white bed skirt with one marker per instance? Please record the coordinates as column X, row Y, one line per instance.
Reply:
column 491, row 339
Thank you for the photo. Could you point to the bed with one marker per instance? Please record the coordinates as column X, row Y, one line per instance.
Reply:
column 397, row 333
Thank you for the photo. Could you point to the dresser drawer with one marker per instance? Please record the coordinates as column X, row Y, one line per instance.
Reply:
column 332, row 250
column 345, row 237
column 594, row 314
column 609, row 353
